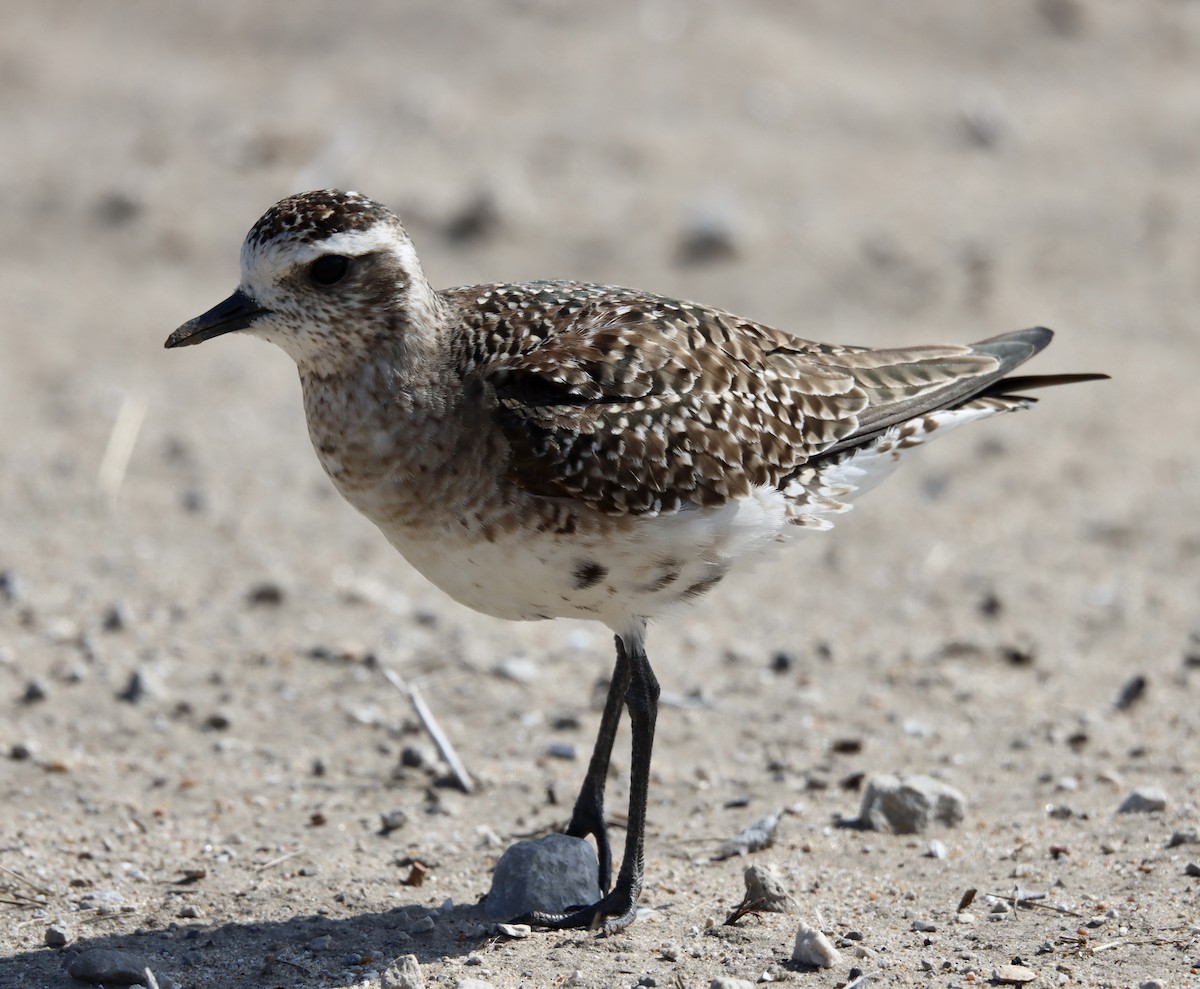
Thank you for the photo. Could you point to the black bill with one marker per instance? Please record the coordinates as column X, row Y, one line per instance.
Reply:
column 235, row 313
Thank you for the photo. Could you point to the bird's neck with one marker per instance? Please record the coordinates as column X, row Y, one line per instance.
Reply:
column 395, row 424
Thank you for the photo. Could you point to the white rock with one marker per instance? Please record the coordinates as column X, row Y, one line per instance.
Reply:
column 813, row 948
column 1013, row 975
column 403, row 973
column 515, row 931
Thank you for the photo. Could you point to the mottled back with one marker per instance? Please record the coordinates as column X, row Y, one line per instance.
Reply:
column 636, row 403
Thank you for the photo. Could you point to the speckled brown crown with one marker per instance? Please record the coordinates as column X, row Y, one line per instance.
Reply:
column 313, row 216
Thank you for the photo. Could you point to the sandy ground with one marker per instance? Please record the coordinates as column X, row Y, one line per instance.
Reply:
column 875, row 174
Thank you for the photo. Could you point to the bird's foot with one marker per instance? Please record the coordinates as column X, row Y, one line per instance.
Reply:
column 608, row 915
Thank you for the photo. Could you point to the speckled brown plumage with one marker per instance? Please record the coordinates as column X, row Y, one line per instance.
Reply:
column 636, row 403
column 558, row 449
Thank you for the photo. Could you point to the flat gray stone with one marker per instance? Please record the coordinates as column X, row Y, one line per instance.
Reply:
column 909, row 804
column 108, row 966
column 550, row 874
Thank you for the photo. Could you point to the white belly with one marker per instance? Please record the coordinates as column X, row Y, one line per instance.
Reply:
column 615, row 570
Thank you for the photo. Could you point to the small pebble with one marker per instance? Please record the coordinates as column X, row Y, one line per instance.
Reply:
column 1130, row 693
column 134, row 689
column 516, row 931
column 550, row 873
column 472, row 984
column 562, row 750
column 108, row 966
column 1184, row 836
column 669, row 950
column 414, row 757
column 322, row 943
column 1144, row 800
column 266, row 594
column 519, row 669
column 102, row 901
column 762, row 884
column 10, row 587
column 707, row 235
column 422, row 925
column 116, row 619
column 35, row 691
column 1191, row 869
column 477, row 218
column 781, row 662
column 1013, row 975
column 189, row 912
column 813, row 948
column 403, row 973
column 392, row 820
column 909, row 804
column 936, row 850
column 308, row 870
column 57, row 936
column 1152, row 984
column 923, row 927
column 725, row 982
column 759, row 835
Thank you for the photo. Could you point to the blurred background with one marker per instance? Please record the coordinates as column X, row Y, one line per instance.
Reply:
column 922, row 172
column 876, row 174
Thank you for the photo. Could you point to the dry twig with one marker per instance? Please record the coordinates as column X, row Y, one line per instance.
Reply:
column 430, row 724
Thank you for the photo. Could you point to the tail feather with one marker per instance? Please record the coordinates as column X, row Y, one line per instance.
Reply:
column 967, row 385
column 1027, row 382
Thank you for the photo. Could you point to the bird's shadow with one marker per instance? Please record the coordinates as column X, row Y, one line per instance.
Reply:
column 280, row 953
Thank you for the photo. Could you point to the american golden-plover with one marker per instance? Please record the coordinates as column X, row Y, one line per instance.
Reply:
column 559, row 449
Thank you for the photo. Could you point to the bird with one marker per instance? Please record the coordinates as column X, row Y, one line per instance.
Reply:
column 552, row 449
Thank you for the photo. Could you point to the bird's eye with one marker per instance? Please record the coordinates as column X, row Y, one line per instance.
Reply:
column 328, row 269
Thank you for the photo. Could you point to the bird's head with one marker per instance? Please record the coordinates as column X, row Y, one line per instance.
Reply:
column 324, row 274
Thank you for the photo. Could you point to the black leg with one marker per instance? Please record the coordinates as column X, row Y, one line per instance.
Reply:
column 588, row 815
column 617, row 909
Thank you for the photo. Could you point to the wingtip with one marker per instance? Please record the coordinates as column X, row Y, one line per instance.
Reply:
column 1016, row 347
column 1037, row 337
